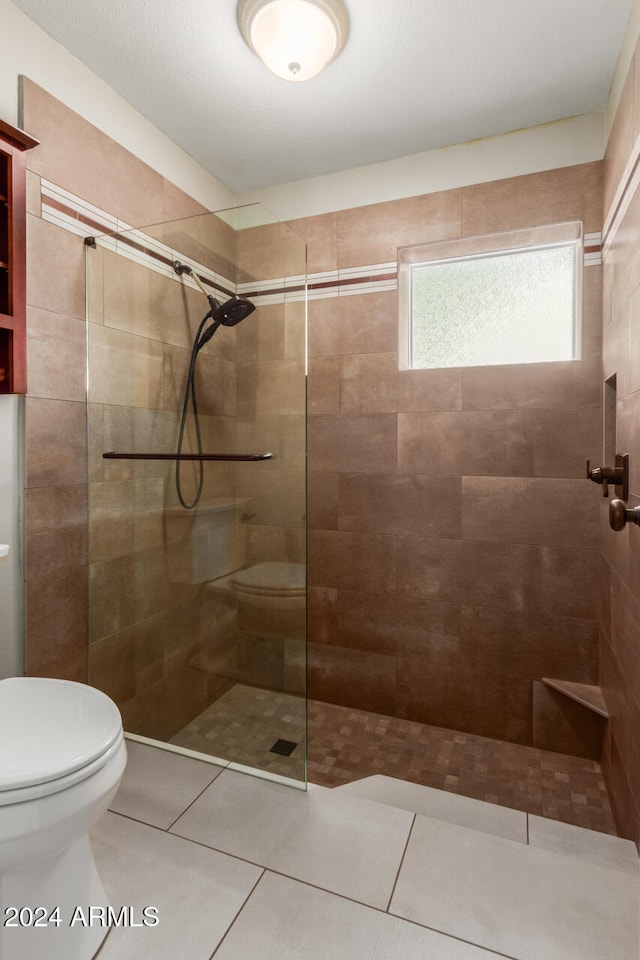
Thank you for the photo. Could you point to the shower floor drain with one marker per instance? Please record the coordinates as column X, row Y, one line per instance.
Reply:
column 284, row 747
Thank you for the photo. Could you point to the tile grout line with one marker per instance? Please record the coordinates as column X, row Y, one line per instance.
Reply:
column 313, row 886
column 198, row 843
column 404, row 853
column 126, row 816
column 103, row 945
column 189, row 805
column 385, row 913
column 231, row 925
column 395, row 916
column 280, row 873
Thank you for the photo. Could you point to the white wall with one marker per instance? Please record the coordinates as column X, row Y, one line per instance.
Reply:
column 26, row 49
column 551, row 145
column 576, row 140
column 11, row 532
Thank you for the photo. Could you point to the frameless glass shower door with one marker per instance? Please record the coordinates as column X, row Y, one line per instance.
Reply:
column 197, row 491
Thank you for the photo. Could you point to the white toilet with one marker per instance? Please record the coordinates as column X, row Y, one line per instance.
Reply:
column 271, row 599
column 62, row 756
column 272, row 586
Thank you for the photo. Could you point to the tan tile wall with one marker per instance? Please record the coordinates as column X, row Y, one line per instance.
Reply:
column 620, row 571
column 145, row 617
column 405, row 617
column 151, row 623
column 78, row 157
column 270, row 399
column 453, row 538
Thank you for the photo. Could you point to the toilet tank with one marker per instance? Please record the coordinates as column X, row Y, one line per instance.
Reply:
column 204, row 543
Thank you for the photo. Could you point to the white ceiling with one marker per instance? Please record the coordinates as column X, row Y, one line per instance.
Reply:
column 414, row 75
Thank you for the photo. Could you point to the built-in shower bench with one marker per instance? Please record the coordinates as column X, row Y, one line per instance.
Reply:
column 569, row 717
column 588, row 694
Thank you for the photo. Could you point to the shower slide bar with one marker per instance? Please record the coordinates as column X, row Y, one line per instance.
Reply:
column 236, row 457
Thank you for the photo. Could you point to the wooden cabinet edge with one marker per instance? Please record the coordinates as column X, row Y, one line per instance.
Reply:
column 13, row 335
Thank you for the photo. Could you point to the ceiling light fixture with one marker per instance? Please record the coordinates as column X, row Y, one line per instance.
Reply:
column 295, row 38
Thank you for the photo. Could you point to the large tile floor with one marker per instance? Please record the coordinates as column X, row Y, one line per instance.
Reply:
column 241, row 868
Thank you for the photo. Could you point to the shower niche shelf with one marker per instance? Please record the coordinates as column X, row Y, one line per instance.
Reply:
column 13, row 354
column 587, row 694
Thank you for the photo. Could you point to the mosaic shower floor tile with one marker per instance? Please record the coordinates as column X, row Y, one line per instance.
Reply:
column 346, row 745
column 246, row 723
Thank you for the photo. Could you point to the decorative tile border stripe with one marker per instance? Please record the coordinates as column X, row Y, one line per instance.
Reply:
column 159, row 257
column 278, row 290
column 592, row 249
column 84, row 219
column 59, row 203
column 330, row 283
column 75, row 215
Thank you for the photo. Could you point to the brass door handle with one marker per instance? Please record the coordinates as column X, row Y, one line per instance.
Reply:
column 620, row 515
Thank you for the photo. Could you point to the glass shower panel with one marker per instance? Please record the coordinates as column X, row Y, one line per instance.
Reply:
column 198, row 614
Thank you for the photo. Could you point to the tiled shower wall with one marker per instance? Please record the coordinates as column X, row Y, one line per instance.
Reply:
column 620, row 577
column 146, row 615
column 447, row 569
column 453, row 537
column 76, row 156
column 165, row 643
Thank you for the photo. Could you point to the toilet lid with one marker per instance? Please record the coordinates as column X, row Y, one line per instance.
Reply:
column 51, row 728
column 272, row 578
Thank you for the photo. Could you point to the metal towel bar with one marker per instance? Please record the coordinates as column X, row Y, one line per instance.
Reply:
column 241, row 457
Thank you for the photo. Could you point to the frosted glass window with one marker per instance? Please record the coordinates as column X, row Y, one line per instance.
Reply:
column 517, row 306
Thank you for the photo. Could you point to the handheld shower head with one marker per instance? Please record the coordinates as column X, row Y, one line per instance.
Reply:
column 233, row 311
column 229, row 314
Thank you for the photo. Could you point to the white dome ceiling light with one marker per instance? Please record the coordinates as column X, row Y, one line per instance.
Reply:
column 296, row 39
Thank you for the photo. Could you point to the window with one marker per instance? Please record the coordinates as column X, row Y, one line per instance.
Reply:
column 510, row 298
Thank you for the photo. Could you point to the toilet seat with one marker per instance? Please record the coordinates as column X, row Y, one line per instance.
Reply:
column 279, row 588
column 271, row 579
column 63, row 732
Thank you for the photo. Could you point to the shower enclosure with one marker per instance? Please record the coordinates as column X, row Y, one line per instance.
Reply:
column 198, row 548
